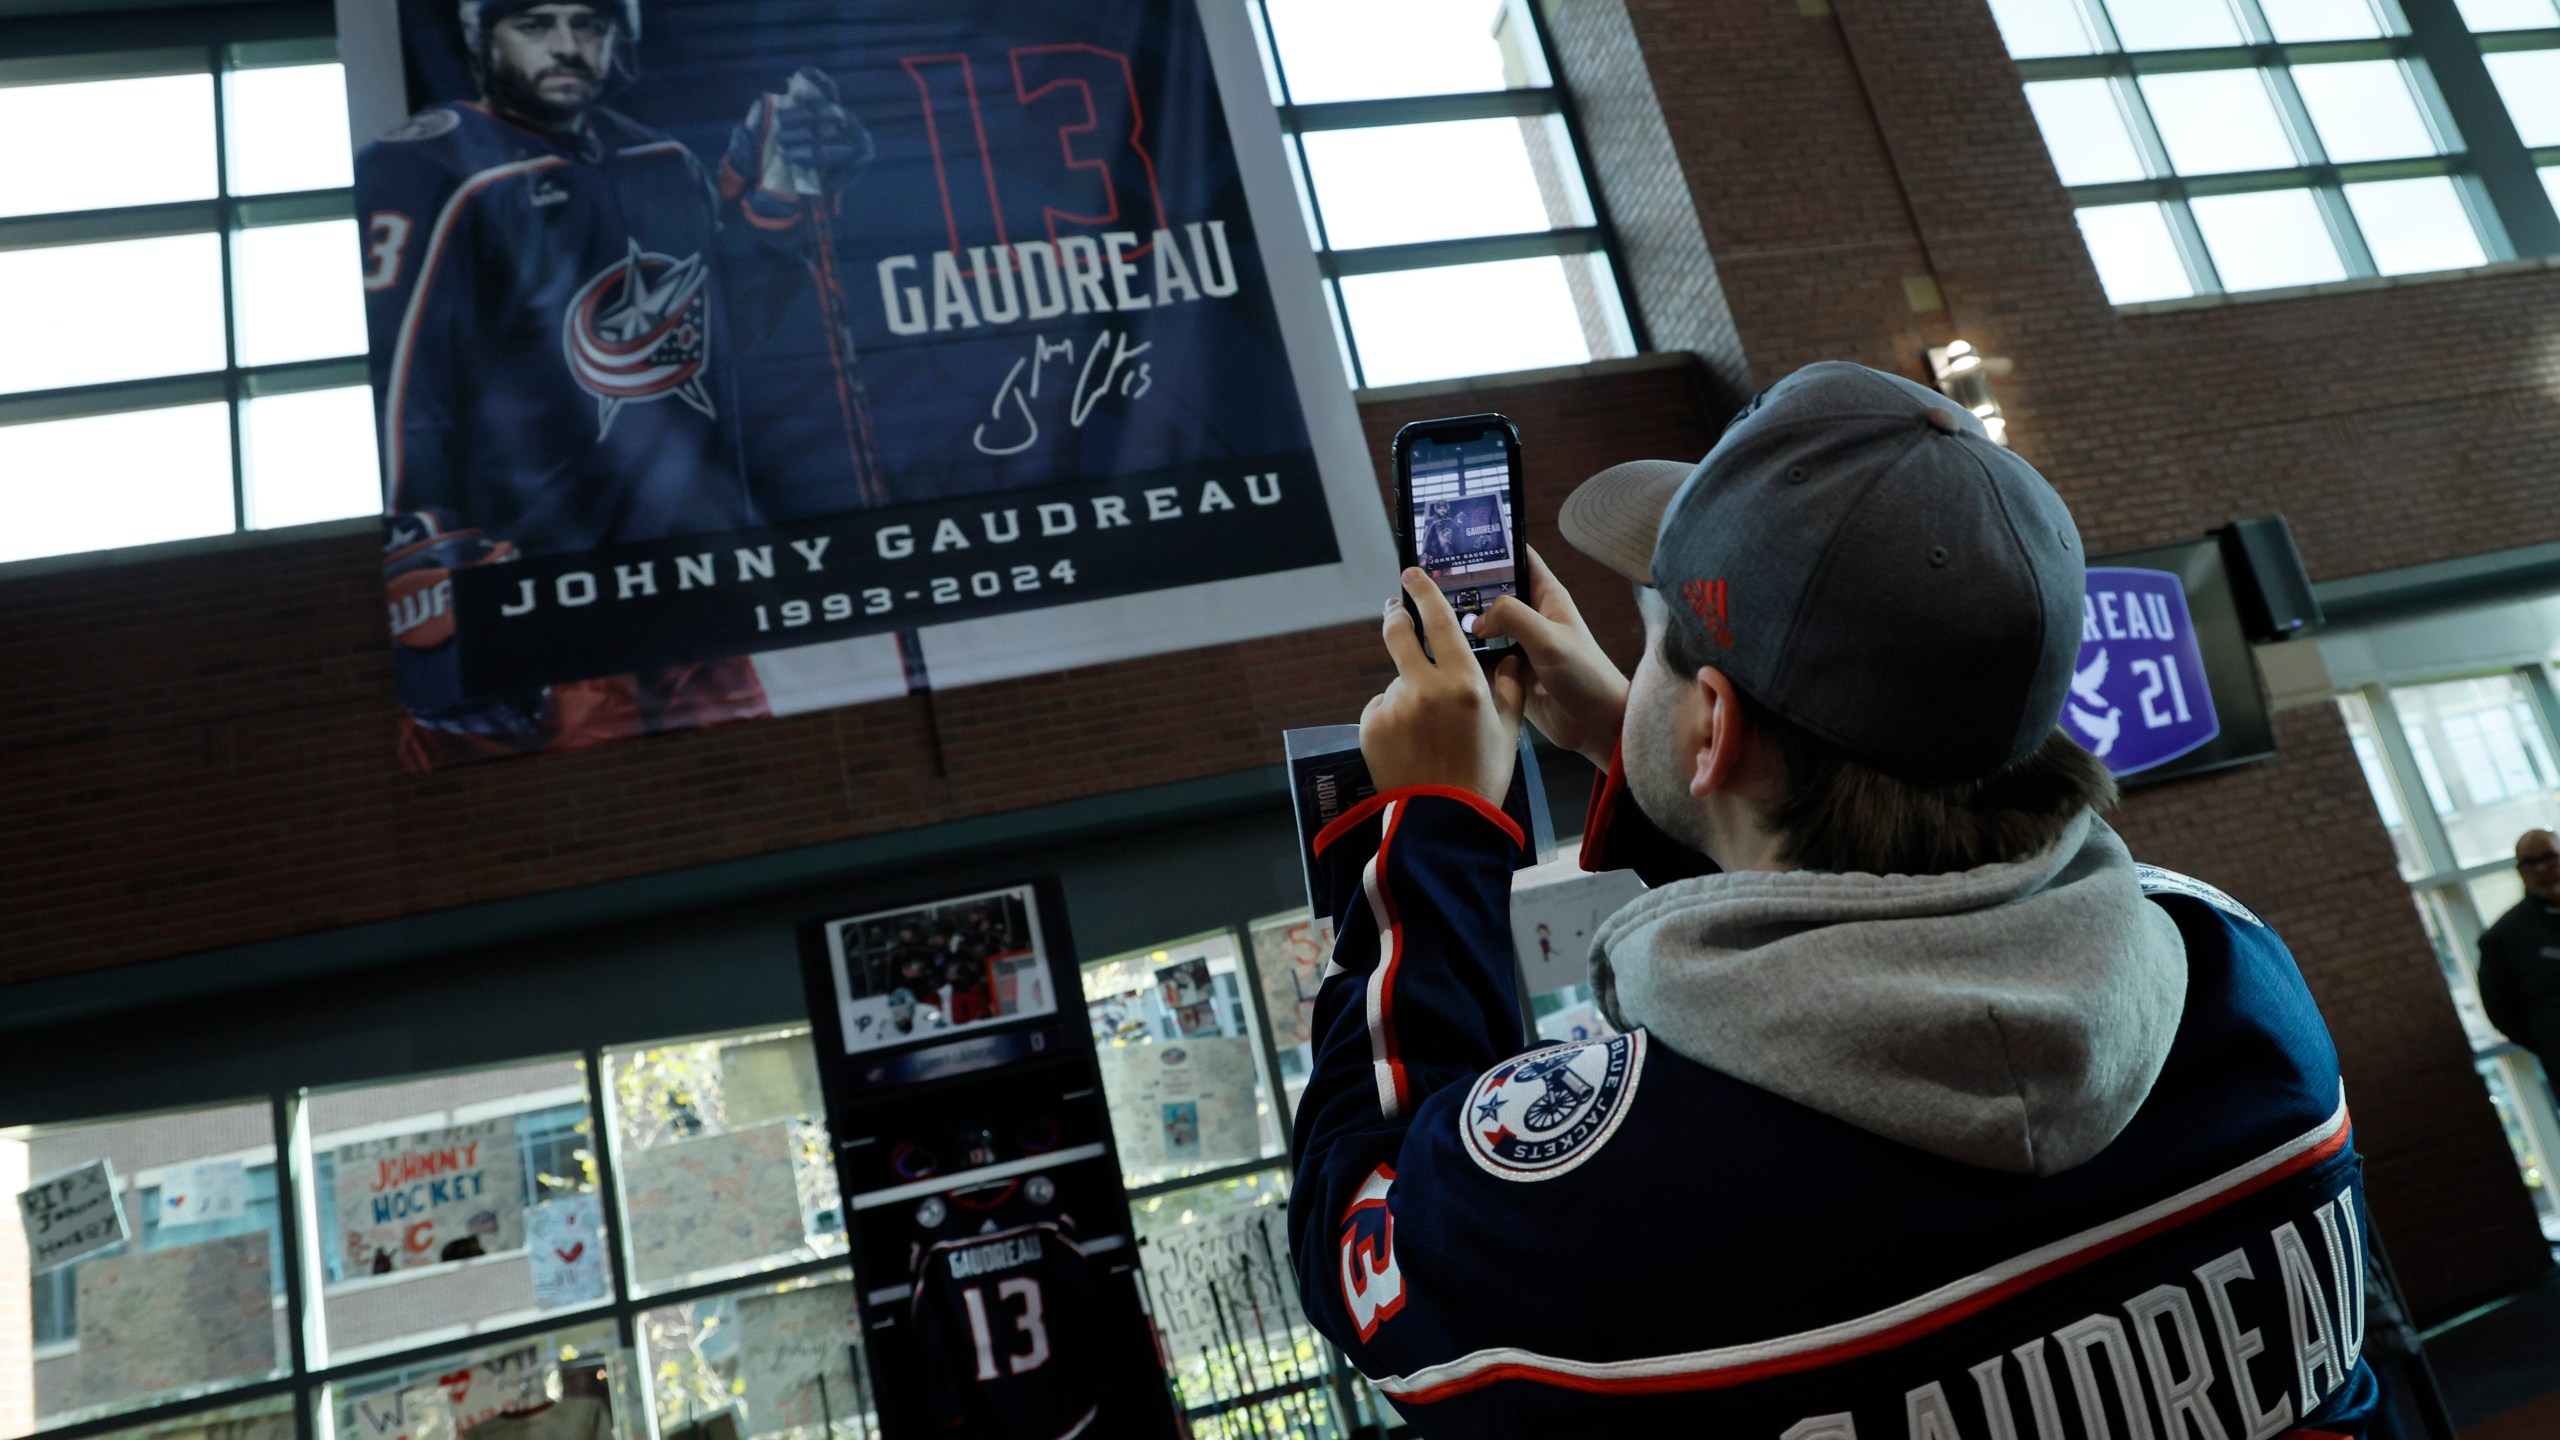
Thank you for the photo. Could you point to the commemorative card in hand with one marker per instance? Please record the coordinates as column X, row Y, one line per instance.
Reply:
column 1458, row 496
column 1328, row 778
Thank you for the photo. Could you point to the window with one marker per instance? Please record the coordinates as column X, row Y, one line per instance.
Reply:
column 1453, row 224
column 184, row 350
column 2458, row 768
column 2216, row 146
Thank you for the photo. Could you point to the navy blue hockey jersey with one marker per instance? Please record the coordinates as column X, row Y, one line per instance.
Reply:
column 1609, row 1239
column 550, row 339
column 1004, row 1314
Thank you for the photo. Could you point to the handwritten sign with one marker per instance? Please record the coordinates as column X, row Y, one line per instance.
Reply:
column 787, row 1343
column 203, row 1192
column 1243, row 1253
column 166, row 1320
column 566, row 1240
column 419, row 1200
column 1290, row 953
column 457, row 1399
column 73, row 1214
column 713, row 1201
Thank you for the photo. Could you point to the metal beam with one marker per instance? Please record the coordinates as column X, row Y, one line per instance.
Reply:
column 2220, row 57
column 1478, row 250
column 2497, row 154
column 1420, row 109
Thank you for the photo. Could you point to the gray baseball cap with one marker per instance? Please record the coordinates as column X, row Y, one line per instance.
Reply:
column 1861, row 559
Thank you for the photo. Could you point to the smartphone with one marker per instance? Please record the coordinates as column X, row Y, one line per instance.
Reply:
column 1457, row 509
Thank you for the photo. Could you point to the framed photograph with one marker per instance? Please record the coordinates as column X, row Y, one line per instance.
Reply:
column 937, row 969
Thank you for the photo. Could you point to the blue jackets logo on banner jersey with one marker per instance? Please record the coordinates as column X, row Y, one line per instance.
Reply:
column 640, row 330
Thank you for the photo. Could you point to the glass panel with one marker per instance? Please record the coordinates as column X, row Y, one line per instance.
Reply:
column 268, row 1419
column 2084, row 129
column 2510, row 1082
column 1361, row 50
column 301, row 293
column 1404, row 183
column 1290, row 951
column 309, row 457
column 2136, row 257
column 287, row 129
column 571, row 1384
column 1181, row 1067
column 156, row 1254
column 139, row 142
column 126, row 310
column 109, row 480
column 2173, row 24
column 2415, row 225
column 2551, row 183
column 2042, row 27
column 2363, row 110
column 1226, row 1309
column 2272, row 238
column 2529, row 81
column 454, row 1205
column 2454, row 957
column 2497, row 775
column 2406, row 847
column 2215, row 121
column 2508, row 14
column 1470, row 319
column 772, row 1360
column 2296, row 20
column 724, row 1161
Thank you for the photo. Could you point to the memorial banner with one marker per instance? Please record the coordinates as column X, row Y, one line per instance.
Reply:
column 734, row 358
column 410, row 1201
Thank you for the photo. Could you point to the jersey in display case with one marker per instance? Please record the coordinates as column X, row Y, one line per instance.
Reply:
column 994, row 1255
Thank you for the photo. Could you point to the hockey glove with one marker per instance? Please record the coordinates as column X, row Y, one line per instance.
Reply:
column 791, row 146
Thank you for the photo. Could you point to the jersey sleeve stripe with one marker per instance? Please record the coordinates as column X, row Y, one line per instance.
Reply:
column 1885, row 1329
column 402, row 348
column 1350, row 819
column 1381, row 983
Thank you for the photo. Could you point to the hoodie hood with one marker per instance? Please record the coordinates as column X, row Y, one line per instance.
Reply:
column 2012, row 1016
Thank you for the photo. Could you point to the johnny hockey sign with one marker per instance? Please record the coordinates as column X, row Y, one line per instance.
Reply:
column 736, row 357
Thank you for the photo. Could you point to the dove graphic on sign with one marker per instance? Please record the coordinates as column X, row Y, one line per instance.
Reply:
column 2139, row 695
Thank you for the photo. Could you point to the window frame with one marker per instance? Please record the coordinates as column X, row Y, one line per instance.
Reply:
column 223, row 215
column 1333, row 265
column 2494, row 175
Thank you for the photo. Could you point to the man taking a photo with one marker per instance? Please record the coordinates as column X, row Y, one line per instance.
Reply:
column 1932, row 1114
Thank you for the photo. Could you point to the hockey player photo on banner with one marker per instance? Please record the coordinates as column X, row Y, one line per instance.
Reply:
column 734, row 358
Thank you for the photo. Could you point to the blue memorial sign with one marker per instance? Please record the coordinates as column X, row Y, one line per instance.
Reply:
column 2139, row 695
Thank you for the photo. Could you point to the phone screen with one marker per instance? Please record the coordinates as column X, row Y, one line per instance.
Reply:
column 1462, row 535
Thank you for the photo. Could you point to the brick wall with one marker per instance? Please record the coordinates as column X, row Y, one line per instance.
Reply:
column 1871, row 182
column 196, row 752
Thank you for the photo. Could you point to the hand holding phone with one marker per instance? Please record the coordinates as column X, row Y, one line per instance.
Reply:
column 1458, row 503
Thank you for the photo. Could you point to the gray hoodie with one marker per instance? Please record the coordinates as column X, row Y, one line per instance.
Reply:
column 2012, row 1016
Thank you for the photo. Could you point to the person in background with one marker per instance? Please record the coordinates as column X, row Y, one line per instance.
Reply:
column 2520, row 955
